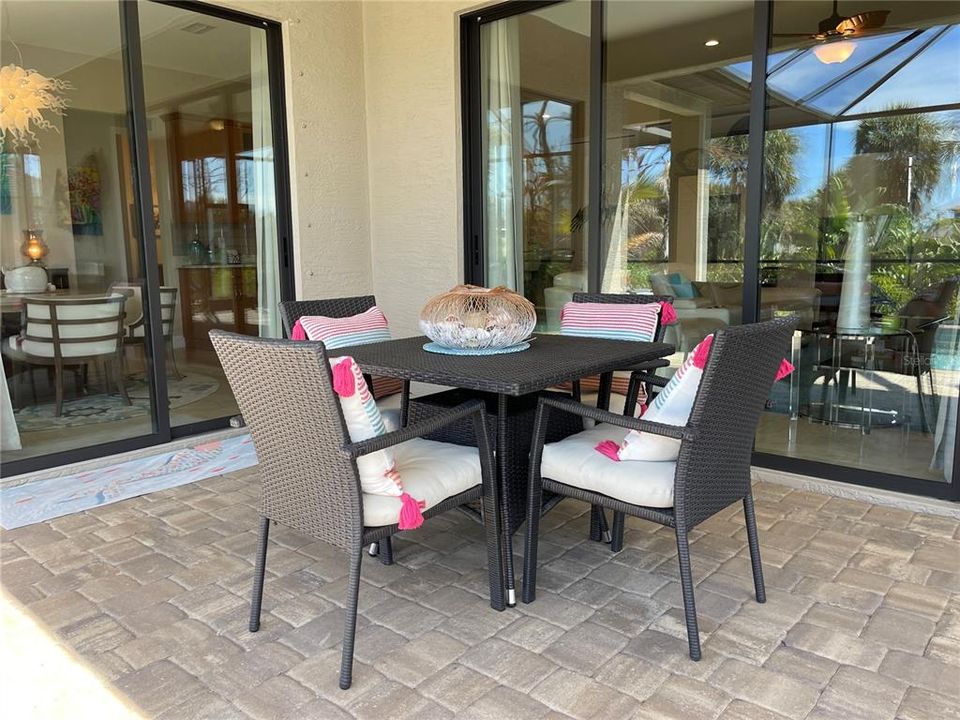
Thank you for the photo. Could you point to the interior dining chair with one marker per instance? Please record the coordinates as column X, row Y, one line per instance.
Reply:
column 293, row 310
column 308, row 464
column 609, row 385
column 71, row 332
column 712, row 470
column 135, row 324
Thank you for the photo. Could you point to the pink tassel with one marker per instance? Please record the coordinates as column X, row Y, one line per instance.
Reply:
column 410, row 516
column 786, row 367
column 344, row 382
column 610, row 449
column 668, row 316
column 298, row 332
column 641, row 409
column 702, row 352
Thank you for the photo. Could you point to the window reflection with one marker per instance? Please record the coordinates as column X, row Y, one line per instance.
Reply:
column 871, row 227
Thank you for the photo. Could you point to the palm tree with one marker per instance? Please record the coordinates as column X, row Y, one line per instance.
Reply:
column 727, row 160
column 909, row 151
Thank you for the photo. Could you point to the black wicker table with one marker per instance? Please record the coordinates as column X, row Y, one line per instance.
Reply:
column 551, row 359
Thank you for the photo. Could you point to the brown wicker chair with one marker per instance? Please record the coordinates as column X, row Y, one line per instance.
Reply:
column 713, row 467
column 308, row 467
column 293, row 310
column 599, row 530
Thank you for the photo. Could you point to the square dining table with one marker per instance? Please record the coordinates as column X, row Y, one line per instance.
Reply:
column 550, row 360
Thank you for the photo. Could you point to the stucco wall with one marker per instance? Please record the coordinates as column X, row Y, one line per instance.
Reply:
column 411, row 69
column 373, row 112
column 323, row 44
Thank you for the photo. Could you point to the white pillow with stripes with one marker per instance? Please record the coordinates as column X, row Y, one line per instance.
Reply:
column 366, row 327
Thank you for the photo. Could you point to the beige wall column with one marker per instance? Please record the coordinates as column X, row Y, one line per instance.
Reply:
column 689, row 192
column 326, row 123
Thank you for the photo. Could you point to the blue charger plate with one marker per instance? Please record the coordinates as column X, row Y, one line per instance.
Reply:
column 443, row 350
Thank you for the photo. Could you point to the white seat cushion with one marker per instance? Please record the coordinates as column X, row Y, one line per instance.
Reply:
column 575, row 461
column 430, row 471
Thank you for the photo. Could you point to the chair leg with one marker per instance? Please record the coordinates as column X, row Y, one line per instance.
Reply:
column 386, row 551
column 528, row 590
column 599, row 530
column 256, row 599
column 58, row 384
column 686, row 584
column 616, row 543
column 751, row 518
column 118, row 378
column 350, row 623
column 173, row 361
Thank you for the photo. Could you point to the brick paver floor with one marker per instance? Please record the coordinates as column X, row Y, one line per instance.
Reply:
column 862, row 618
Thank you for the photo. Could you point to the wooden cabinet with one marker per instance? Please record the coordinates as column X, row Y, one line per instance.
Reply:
column 217, row 297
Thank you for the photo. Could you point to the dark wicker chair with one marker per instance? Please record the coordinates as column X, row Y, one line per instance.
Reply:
column 599, row 530
column 293, row 310
column 713, row 467
column 308, row 466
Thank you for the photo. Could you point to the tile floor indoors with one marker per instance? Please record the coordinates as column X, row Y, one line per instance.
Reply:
column 862, row 618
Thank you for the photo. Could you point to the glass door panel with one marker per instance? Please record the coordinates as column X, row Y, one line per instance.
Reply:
column 211, row 150
column 76, row 359
column 534, row 110
column 863, row 246
column 676, row 109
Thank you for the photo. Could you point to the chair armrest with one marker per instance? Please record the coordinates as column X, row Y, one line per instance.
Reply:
column 381, row 442
column 680, row 432
column 650, row 378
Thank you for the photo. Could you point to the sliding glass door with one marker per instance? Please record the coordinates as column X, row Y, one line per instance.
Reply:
column 210, row 124
column 725, row 153
column 72, row 268
column 139, row 209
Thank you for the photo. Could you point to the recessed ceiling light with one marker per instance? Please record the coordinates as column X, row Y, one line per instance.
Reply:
column 712, row 43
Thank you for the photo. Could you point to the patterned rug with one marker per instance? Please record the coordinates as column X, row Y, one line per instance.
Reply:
column 98, row 408
column 40, row 500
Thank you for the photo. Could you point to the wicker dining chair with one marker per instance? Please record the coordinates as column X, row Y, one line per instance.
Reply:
column 599, row 529
column 711, row 472
column 293, row 310
column 308, row 464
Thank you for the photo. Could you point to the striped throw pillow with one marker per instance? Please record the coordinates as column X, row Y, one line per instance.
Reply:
column 614, row 321
column 377, row 470
column 367, row 327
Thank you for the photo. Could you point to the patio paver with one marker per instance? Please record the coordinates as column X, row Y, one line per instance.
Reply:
column 862, row 618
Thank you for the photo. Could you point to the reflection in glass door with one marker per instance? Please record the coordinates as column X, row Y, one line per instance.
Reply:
column 868, row 231
column 76, row 360
column 130, row 226
column 212, row 170
column 535, row 103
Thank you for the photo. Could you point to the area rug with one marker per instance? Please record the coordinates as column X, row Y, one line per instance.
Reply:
column 99, row 408
column 40, row 500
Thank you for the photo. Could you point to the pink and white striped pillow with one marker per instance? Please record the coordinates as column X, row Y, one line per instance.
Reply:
column 672, row 406
column 378, row 471
column 615, row 321
column 367, row 327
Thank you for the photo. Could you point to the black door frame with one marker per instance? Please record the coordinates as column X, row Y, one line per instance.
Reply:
column 128, row 19
column 474, row 250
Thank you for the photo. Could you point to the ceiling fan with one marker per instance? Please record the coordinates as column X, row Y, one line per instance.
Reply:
column 842, row 26
column 835, row 32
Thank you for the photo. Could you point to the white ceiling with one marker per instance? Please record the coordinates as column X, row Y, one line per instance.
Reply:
column 62, row 35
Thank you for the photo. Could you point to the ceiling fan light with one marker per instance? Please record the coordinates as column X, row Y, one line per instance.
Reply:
column 834, row 52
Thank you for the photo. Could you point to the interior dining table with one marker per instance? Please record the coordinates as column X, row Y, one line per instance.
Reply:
column 510, row 383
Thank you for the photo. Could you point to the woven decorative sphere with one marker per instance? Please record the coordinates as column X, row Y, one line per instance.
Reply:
column 476, row 317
